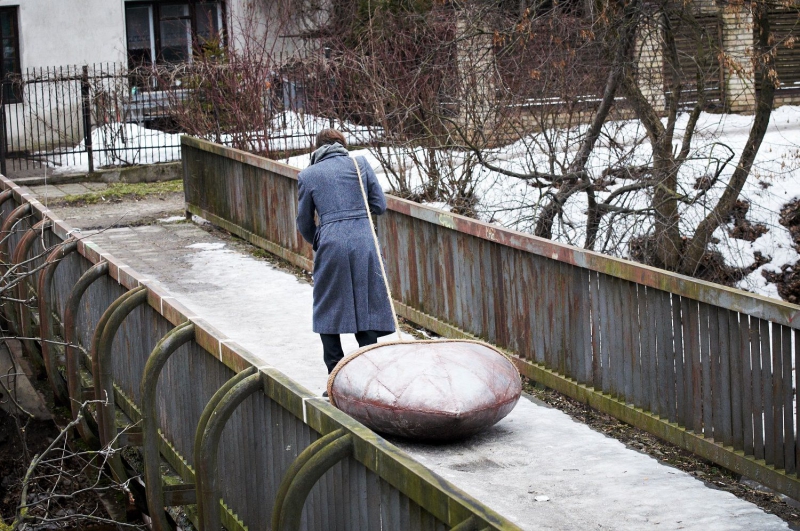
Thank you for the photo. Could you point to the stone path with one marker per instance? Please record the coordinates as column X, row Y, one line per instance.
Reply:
column 52, row 191
column 538, row 467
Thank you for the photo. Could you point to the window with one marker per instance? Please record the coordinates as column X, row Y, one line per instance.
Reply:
column 169, row 32
column 9, row 62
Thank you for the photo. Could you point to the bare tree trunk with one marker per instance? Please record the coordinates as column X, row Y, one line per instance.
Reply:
column 627, row 38
column 665, row 172
column 765, row 61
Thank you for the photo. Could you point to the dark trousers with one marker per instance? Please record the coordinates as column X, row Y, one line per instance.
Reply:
column 332, row 346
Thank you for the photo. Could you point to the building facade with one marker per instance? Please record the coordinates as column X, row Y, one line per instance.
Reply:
column 46, row 44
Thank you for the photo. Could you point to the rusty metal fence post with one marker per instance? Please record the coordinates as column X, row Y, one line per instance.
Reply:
column 5, row 233
column 303, row 474
column 86, row 108
column 178, row 336
column 23, row 317
column 103, row 376
column 76, row 392
column 58, row 384
column 209, row 431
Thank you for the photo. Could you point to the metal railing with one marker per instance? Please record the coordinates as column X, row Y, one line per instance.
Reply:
column 82, row 118
column 246, row 446
column 704, row 366
column 85, row 117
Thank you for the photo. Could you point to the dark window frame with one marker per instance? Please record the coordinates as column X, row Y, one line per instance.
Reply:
column 12, row 90
column 156, row 5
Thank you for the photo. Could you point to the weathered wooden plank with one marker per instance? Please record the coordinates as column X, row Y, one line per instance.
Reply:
column 758, row 394
column 414, row 516
column 767, row 393
column 552, row 300
column 789, row 464
column 630, row 339
column 724, row 378
column 637, row 293
column 564, row 318
column 390, row 505
column 777, row 395
column 680, row 372
column 796, row 358
column 617, row 353
column 745, row 354
column 534, row 272
column 579, row 322
column 404, row 510
column 668, row 325
column 373, row 500
column 663, row 342
column 737, row 381
column 606, row 334
column 594, row 301
column 705, row 362
column 503, row 308
column 649, row 380
column 694, row 377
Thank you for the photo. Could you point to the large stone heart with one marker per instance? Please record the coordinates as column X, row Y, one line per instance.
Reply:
column 426, row 390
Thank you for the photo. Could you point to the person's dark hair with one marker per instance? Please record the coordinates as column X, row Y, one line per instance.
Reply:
column 330, row 136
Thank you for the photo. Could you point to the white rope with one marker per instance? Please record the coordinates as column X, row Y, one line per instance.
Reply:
column 378, row 250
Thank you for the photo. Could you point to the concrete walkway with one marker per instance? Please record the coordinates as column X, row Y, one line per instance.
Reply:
column 538, row 467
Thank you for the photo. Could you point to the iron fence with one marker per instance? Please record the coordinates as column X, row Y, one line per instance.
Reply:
column 82, row 118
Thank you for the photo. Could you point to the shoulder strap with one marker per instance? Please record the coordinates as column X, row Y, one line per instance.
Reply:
column 378, row 250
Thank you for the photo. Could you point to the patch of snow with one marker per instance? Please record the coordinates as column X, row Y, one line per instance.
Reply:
column 171, row 219
column 206, row 246
column 121, row 144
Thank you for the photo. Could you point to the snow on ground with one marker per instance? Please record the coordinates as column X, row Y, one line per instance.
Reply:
column 584, row 479
column 118, row 144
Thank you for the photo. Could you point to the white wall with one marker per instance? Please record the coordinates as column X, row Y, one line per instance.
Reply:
column 56, row 33
column 62, row 32
column 69, row 32
column 263, row 24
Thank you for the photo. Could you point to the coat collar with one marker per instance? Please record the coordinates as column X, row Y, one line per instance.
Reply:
column 328, row 151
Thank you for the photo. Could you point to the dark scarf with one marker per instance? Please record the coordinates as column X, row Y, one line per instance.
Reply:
column 328, row 150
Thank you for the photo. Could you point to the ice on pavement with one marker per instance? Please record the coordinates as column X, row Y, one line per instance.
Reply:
column 581, row 478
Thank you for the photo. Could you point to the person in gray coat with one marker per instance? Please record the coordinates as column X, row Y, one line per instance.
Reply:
column 349, row 293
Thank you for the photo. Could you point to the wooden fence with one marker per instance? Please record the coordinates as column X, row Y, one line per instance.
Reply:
column 706, row 367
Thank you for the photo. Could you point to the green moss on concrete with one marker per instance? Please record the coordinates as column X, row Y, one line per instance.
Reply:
column 120, row 191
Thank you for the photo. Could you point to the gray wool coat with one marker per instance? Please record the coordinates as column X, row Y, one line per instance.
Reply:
column 349, row 293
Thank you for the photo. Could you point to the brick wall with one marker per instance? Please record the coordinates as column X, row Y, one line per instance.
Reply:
column 737, row 43
column 650, row 65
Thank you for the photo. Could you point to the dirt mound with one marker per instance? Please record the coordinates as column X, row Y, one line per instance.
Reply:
column 743, row 229
column 790, row 218
column 787, row 280
column 712, row 266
